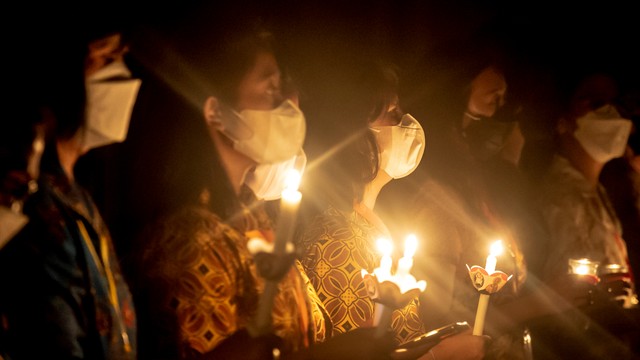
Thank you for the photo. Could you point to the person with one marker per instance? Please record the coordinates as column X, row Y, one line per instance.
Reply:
column 377, row 142
column 583, row 224
column 470, row 193
column 621, row 178
column 196, row 279
column 69, row 300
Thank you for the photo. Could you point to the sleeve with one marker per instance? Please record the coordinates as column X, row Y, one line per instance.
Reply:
column 199, row 278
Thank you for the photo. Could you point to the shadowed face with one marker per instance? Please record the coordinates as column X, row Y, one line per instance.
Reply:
column 260, row 88
column 488, row 90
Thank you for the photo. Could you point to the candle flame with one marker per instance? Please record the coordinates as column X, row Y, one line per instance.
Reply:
column 292, row 179
column 384, row 246
column 496, row 248
column 410, row 245
column 582, row 269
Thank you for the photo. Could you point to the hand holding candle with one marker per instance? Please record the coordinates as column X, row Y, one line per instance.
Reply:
column 383, row 272
column 483, row 302
column 391, row 292
column 289, row 203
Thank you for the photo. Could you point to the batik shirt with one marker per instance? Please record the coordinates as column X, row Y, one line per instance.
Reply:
column 337, row 247
column 63, row 295
column 204, row 281
column 581, row 220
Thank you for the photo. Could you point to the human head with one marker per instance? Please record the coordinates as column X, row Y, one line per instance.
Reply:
column 359, row 93
column 225, row 71
column 590, row 124
column 487, row 93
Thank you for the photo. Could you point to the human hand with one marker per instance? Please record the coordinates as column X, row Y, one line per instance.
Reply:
column 577, row 290
column 360, row 343
column 464, row 346
column 616, row 288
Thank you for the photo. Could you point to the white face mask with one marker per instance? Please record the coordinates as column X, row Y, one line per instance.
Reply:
column 268, row 180
column 401, row 146
column 603, row 133
column 11, row 222
column 266, row 136
column 111, row 94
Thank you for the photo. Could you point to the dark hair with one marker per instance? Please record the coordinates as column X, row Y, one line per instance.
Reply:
column 183, row 161
column 357, row 93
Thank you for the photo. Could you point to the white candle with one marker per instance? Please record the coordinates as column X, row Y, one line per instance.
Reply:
column 483, row 303
column 289, row 203
column 406, row 262
column 383, row 272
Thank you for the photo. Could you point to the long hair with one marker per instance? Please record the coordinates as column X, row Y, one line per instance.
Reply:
column 348, row 155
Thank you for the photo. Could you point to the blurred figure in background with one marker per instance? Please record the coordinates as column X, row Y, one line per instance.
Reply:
column 63, row 295
column 470, row 192
column 583, row 224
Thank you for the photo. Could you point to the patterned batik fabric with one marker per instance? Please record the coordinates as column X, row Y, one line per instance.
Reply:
column 203, row 278
column 337, row 247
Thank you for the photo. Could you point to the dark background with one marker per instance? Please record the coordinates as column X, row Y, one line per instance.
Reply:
column 541, row 37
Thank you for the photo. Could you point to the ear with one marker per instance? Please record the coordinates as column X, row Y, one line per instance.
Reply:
column 210, row 110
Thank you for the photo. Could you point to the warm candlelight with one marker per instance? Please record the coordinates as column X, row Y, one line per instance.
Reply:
column 390, row 292
column 385, row 247
column 483, row 303
column 289, row 203
column 406, row 262
column 583, row 267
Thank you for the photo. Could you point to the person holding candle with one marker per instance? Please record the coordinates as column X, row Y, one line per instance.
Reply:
column 459, row 202
column 63, row 295
column 377, row 143
column 589, row 133
column 196, row 279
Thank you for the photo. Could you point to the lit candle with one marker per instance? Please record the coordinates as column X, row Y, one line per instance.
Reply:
column 383, row 272
column 495, row 250
column 483, row 302
column 406, row 262
column 289, row 203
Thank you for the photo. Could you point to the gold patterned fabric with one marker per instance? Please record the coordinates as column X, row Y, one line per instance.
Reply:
column 337, row 247
column 202, row 279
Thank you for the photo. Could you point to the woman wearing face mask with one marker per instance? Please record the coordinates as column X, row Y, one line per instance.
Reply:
column 198, row 282
column 339, row 242
column 458, row 209
column 583, row 224
column 63, row 295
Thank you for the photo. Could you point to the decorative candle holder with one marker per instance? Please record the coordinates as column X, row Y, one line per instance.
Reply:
column 388, row 296
column 390, row 292
column 487, row 281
